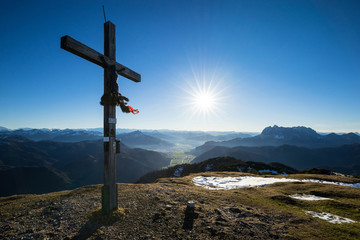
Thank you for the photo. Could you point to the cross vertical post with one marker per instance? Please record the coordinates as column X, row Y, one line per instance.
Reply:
column 109, row 190
column 111, row 70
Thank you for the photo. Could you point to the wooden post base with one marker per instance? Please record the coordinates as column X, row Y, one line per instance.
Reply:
column 109, row 199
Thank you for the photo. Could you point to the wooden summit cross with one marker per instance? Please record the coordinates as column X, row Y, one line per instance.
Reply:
column 111, row 69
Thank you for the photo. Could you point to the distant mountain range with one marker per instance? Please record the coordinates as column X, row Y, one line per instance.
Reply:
column 344, row 159
column 43, row 160
column 57, row 135
column 135, row 139
column 147, row 139
column 277, row 136
column 2, row 129
column 138, row 139
column 195, row 138
column 36, row 167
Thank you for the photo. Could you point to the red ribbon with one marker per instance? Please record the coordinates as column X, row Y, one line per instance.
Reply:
column 132, row 110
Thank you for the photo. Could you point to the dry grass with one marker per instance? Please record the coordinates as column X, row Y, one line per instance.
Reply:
column 275, row 198
column 158, row 211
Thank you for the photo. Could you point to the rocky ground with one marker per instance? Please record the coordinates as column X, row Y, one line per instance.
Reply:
column 159, row 211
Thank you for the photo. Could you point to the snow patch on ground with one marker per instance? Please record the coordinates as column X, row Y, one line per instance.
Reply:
column 178, row 171
column 332, row 218
column 227, row 183
column 338, row 174
column 335, row 183
column 308, row 197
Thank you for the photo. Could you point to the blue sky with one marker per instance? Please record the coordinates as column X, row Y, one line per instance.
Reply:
column 290, row 63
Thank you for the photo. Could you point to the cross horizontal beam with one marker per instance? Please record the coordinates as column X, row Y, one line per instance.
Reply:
column 81, row 50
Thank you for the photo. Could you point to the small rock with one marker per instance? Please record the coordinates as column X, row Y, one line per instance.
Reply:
column 156, row 216
column 235, row 210
column 212, row 231
column 218, row 211
column 221, row 213
column 168, row 207
column 220, row 219
column 191, row 204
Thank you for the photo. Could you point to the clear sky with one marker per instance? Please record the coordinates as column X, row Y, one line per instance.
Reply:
column 290, row 63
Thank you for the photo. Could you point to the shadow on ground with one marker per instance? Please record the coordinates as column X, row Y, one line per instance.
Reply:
column 97, row 220
column 189, row 218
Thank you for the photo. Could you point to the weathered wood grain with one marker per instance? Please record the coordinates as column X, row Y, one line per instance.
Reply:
column 71, row 45
column 109, row 193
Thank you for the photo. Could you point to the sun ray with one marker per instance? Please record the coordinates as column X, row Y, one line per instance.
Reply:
column 204, row 96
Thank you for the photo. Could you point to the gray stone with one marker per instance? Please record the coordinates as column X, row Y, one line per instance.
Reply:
column 191, row 204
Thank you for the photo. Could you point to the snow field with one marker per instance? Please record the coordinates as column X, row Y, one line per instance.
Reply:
column 332, row 218
column 227, row 183
column 308, row 197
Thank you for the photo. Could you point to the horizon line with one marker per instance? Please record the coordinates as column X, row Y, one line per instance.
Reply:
column 167, row 129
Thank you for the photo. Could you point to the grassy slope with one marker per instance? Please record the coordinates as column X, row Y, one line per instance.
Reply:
column 157, row 211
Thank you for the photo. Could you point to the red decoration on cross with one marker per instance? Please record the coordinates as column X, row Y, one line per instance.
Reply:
column 132, row 110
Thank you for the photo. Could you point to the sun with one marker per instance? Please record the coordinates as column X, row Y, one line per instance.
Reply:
column 204, row 101
column 203, row 97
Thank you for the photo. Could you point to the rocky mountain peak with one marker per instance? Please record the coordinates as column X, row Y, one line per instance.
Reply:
column 288, row 132
column 136, row 134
